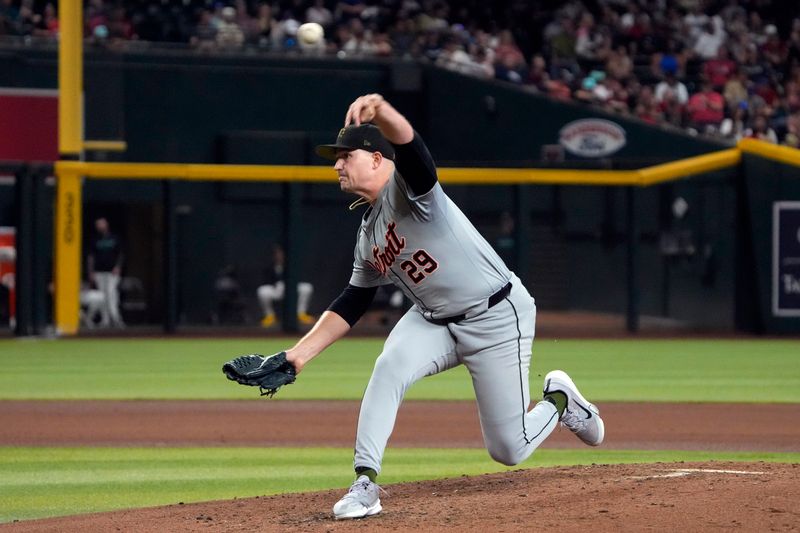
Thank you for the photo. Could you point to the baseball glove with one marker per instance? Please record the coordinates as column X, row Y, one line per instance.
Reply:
column 267, row 373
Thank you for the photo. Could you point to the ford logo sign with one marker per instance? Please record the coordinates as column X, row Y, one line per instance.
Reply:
column 592, row 137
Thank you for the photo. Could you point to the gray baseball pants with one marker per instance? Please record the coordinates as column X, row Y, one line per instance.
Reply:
column 495, row 346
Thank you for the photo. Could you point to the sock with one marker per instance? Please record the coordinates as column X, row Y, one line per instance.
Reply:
column 559, row 399
column 369, row 472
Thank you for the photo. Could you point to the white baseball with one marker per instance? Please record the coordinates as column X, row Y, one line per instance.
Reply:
column 310, row 33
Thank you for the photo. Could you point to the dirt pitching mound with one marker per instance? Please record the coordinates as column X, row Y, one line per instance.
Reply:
column 598, row 498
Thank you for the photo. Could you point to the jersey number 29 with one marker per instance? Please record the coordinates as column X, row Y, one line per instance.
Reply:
column 422, row 265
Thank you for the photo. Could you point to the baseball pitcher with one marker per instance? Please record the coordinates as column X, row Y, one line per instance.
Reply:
column 469, row 308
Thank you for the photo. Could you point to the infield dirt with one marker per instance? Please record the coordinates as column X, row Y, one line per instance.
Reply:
column 600, row 498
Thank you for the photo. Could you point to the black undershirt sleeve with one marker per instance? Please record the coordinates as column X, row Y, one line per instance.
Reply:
column 415, row 165
column 353, row 303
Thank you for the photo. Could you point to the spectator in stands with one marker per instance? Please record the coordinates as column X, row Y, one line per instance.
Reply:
column 791, row 90
column 482, row 64
column 720, row 70
column 738, row 43
column 671, row 89
column 670, row 61
column 360, row 43
column 711, row 39
column 761, row 130
column 754, row 64
column 382, row 44
column 773, row 49
column 347, row 10
column 431, row 45
column 149, row 22
column 620, row 96
column 274, row 290
column 96, row 15
column 402, row 35
column 619, row 64
column 508, row 53
column 537, row 73
column 119, row 27
column 558, row 87
column 229, row 34
column 675, row 36
column 706, row 109
column 246, row 22
column 46, row 25
column 8, row 11
column 485, row 43
column 736, row 90
column 591, row 43
column 734, row 127
column 560, row 37
column 507, row 68
column 205, row 32
column 766, row 89
column 593, row 89
column 266, row 26
column 453, row 57
column 734, row 15
column 317, row 12
column 695, row 20
column 672, row 97
column 793, row 46
column 756, row 28
column 647, row 41
column 647, row 108
column 433, row 17
column 792, row 137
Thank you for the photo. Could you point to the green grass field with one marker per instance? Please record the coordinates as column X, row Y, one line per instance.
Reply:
column 737, row 370
column 39, row 482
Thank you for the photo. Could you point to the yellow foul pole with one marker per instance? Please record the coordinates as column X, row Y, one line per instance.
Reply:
column 67, row 265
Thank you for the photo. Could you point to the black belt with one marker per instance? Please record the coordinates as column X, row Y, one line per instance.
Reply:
column 494, row 299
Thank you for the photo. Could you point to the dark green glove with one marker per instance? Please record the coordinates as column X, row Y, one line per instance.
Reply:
column 267, row 373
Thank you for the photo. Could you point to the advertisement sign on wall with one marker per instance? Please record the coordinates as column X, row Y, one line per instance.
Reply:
column 592, row 137
column 786, row 259
column 28, row 124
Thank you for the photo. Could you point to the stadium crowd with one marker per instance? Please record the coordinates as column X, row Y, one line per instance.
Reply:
column 729, row 68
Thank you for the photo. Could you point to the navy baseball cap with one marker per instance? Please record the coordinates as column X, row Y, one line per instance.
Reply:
column 364, row 137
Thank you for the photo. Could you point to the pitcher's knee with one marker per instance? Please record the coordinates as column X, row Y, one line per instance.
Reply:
column 507, row 455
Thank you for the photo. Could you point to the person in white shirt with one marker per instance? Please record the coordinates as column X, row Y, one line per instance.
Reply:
column 671, row 89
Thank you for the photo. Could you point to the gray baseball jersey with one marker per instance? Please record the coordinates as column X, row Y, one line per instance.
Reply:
column 429, row 249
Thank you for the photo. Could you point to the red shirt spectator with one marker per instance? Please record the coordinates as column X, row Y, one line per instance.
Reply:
column 719, row 70
column 706, row 107
column 507, row 51
column 559, row 90
column 766, row 91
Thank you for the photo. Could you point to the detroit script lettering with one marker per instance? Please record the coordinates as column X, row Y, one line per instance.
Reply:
column 386, row 258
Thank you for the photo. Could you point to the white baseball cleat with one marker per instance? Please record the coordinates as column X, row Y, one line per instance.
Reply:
column 363, row 499
column 580, row 416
